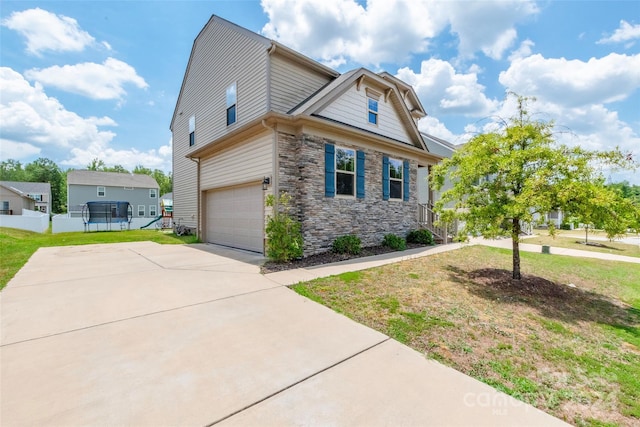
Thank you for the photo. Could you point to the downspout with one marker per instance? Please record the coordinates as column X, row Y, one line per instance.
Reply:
column 199, row 195
column 275, row 181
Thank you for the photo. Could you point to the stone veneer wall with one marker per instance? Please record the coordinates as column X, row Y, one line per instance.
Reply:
column 301, row 174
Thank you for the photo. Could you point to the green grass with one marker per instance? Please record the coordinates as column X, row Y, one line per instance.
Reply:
column 572, row 351
column 17, row 246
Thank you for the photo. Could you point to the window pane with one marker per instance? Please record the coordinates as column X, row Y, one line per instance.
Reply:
column 373, row 118
column 231, row 115
column 395, row 169
column 395, row 189
column 345, row 160
column 231, row 95
column 192, row 124
column 344, row 183
column 192, row 139
column 373, row 105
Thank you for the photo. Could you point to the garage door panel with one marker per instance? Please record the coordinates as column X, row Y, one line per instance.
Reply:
column 235, row 217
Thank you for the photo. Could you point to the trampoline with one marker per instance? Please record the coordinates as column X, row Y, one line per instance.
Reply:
column 107, row 213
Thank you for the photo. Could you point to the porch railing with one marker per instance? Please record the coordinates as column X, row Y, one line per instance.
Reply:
column 428, row 219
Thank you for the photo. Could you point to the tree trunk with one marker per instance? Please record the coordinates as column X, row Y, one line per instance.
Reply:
column 586, row 234
column 515, row 239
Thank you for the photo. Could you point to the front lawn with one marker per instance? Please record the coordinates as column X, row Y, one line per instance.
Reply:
column 566, row 339
column 17, row 246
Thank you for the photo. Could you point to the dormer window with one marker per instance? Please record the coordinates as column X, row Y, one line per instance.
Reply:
column 231, row 104
column 373, row 110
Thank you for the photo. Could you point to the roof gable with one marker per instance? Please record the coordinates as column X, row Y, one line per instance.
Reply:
column 28, row 187
column 110, row 179
column 356, row 84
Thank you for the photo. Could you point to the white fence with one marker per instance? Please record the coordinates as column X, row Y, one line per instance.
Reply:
column 63, row 223
column 29, row 220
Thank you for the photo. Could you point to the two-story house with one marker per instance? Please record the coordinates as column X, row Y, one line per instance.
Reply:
column 141, row 191
column 40, row 192
column 255, row 117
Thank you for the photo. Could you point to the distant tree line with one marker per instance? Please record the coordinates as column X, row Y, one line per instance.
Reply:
column 45, row 170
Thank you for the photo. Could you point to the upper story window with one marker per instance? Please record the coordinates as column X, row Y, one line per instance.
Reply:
column 345, row 171
column 372, row 105
column 395, row 179
column 192, row 130
column 231, row 104
column 153, row 193
column 101, row 192
column 36, row 197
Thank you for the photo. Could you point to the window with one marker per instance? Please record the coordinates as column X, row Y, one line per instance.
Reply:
column 231, row 104
column 101, row 192
column 339, row 172
column 153, row 193
column 345, row 171
column 153, row 210
column 192, row 131
column 140, row 210
column 36, row 197
column 395, row 179
column 5, row 205
column 373, row 110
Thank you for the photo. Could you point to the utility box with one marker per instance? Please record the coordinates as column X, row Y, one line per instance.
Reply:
column 546, row 249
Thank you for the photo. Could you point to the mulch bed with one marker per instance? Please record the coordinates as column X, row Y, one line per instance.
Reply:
column 327, row 258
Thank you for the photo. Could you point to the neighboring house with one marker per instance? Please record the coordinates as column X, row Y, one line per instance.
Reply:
column 12, row 200
column 254, row 117
column 141, row 191
column 40, row 192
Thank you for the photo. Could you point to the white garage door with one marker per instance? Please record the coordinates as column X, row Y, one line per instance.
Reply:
column 235, row 217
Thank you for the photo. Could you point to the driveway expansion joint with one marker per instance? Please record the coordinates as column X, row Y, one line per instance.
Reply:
column 292, row 385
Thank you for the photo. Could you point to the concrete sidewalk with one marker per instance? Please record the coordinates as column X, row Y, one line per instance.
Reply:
column 146, row 334
column 528, row 247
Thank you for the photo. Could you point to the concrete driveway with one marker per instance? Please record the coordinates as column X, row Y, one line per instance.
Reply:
column 145, row 334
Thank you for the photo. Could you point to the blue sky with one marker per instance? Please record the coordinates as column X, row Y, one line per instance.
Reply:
column 99, row 79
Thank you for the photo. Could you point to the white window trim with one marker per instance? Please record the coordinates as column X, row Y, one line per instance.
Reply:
column 370, row 111
column 153, row 193
column 355, row 168
column 104, row 191
column 153, row 210
column 401, row 180
column 234, row 104
column 143, row 210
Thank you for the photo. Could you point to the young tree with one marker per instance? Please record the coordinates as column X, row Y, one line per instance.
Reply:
column 501, row 179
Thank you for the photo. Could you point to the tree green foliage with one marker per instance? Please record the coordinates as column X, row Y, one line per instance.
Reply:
column 350, row 244
column 165, row 181
column 11, row 170
column 500, row 179
column 284, row 238
column 627, row 191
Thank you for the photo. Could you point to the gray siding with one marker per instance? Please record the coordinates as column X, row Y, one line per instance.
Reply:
column 351, row 108
column 292, row 83
column 250, row 161
column 81, row 194
column 222, row 54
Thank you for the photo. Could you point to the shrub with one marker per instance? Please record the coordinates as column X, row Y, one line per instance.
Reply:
column 349, row 244
column 421, row 236
column 394, row 242
column 284, row 238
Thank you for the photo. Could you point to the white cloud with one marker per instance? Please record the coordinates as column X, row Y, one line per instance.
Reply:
column 46, row 31
column 574, row 82
column 487, row 26
column 17, row 150
column 626, row 32
column 96, row 81
column 444, row 91
column 523, row 51
column 31, row 117
column 384, row 31
column 129, row 158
